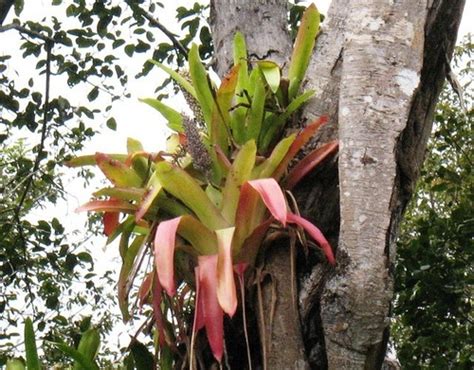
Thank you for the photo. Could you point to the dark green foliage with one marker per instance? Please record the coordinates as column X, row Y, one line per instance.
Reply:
column 433, row 307
column 39, row 261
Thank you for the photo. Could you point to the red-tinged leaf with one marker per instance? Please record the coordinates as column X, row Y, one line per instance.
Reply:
column 181, row 185
column 222, row 158
column 249, row 214
column 198, row 311
column 145, row 289
column 131, row 262
column 240, row 268
column 157, row 314
column 111, row 205
column 268, row 166
column 128, row 194
column 239, row 173
column 202, row 239
column 152, row 189
column 117, row 172
column 111, row 221
column 308, row 163
column 315, row 233
column 90, row 160
column 212, row 311
column 272, row 196
column 226, row 292
column 301, row 139
column 251, row 245
column 165, row 239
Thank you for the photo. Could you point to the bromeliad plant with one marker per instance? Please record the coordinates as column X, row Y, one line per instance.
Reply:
column 204, row 206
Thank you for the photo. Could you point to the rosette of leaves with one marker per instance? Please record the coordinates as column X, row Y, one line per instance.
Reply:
column 204, row 216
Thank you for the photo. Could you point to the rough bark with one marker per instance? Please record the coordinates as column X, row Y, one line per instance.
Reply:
column 263, row 22
column 378, row 69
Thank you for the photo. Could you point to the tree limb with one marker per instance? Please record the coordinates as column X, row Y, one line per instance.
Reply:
column 29, row 183
column 22, row 29
column 171, row 36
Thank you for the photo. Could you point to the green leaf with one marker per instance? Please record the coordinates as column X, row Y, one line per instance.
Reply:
column 15, row 364
column 182, row 186
column 79, row 358
column 202, row 239
column 133, row 146
column 272, row 74
column 220, row 113
column 93, row 94
column 129, row 50
column 88, row 346
column 238, row 174
column 273, row 125
column 256, row 111
column 240, row 58
column 201, row 84
column 142, row 357
column 18, row 6
column 153, row 188
column 117, row 172
column 238, row 114
column 127, row 272
column 267, row 168
column 90, row 160
column 174, row 118
column 129, row 194
column 111, row 123
column 177, row 77
column 303, row 49
column 32, row 360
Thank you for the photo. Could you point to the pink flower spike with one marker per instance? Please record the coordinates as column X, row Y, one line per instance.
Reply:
column 165, row 239
column 315, row 233
column 226, row 292
column 272, row 196
column 213, row 313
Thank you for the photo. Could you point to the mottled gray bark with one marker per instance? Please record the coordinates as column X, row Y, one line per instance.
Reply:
column 378, row 69
column 263, row 22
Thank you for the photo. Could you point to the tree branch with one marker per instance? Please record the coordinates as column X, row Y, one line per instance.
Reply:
column 155, row 23
column 29, row 183
column 22, row 29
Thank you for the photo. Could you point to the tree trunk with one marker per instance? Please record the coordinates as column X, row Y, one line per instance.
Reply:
column 378, row 68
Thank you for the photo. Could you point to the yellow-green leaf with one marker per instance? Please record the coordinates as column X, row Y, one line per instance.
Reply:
column 201, row 84
column 177, row 77
column 271, row 72
column 303, row 49
column 182, row 186
column 174, row 118
column 238, row 174
column 117, row 172
column 32, row 360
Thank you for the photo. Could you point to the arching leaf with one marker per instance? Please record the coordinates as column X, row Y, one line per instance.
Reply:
column 303, row 48
column 315, row 233
column 308, row 163
column 212, row 312
column 226, row 292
